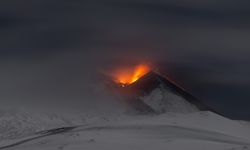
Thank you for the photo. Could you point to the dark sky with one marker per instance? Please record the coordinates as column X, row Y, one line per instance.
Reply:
column 50, row 48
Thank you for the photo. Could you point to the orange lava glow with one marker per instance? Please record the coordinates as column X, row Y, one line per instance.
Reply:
column 125, row 76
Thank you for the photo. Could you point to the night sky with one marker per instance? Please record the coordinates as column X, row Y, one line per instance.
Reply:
column 49, row 49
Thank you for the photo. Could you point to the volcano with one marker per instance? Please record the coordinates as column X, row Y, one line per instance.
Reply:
column 154, row 93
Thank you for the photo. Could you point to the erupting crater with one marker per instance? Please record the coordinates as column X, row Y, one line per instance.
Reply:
column 129, row 75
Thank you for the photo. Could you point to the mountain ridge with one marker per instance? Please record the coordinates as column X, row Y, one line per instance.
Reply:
column 152, row 81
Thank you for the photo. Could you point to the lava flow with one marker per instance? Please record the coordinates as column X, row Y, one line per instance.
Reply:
column 126, row 76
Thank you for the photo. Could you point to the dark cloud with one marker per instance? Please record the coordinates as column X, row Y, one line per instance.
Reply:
column 46, row 45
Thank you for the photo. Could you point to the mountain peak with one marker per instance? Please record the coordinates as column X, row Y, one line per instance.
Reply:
column 158, row 93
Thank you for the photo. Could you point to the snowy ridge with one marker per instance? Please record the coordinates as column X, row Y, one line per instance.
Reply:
column 200, row 130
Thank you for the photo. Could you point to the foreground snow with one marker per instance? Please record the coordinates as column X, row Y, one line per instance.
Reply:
column 195, row 131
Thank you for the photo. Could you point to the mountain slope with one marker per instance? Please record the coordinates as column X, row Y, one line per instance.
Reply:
column 154, row 93
column 201, row 130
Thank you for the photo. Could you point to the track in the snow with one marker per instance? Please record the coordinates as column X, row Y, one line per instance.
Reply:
column 39, row 135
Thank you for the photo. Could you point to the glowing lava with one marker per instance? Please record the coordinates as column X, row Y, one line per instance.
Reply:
column 127, row 76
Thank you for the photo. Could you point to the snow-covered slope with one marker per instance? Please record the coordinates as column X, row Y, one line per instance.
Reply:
column 195, row 131
column 17, row 123
column 154, row 93
column 163, row 101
